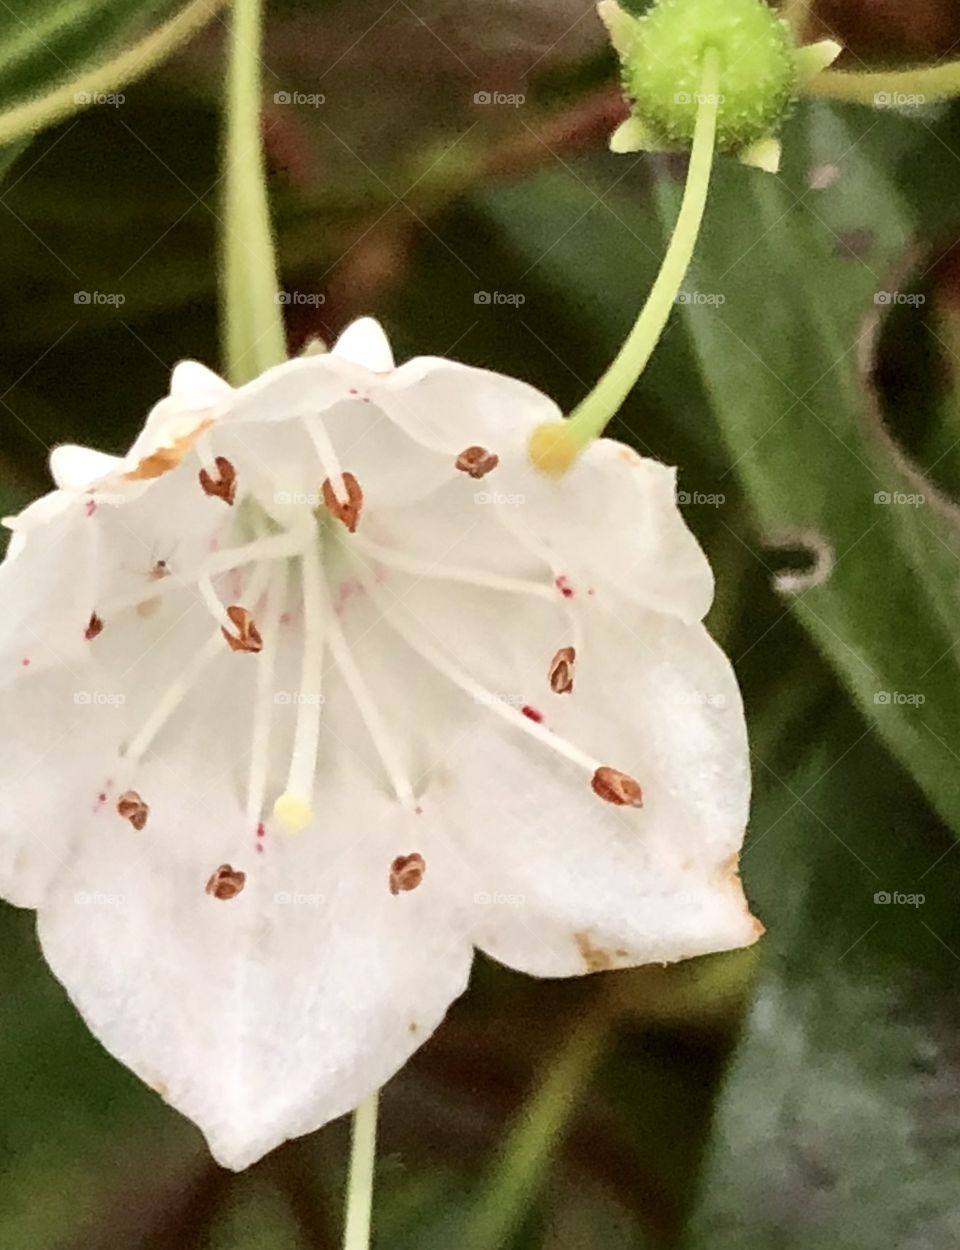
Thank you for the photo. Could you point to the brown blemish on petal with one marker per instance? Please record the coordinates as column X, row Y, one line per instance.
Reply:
column 224, row 485
column 166, row 458
column 94, row 627
column 247, row 637
column 560, row 674
column 728, row 877
column 477, row 461
column 348, row 512
column 616, row 787
column 226, row 883
column 595, row 959
column 406, row 872
column 413, row 1027
column 132, row 807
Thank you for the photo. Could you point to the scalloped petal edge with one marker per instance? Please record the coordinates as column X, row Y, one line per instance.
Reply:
column 622, row 27
column 765, row 154
column 815, row 58
column 635, row 135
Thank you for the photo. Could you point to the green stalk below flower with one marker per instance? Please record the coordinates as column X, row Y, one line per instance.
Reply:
column 363, row 1151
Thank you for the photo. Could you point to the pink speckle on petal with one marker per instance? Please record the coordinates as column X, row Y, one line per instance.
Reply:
column 531, row 713
column 418, row 810
column 90, row 507
column 25, row 662
column 563, row 585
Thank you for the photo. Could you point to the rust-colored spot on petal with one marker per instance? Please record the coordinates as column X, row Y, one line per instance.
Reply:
column 94, row 627
column 348, row 512
column 247, row 637
column 166, row 458
column 560, row 675
column 595, row 958
column 132, row 807
column 406, row 872
column 616, row 787
column 224, row 485
column 477, row 461
column 226, row 883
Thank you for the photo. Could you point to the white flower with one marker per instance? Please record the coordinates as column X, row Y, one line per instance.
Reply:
column 321, row 687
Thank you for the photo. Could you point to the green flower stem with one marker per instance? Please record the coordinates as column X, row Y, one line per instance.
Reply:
column 126, row 67
column 532, row 1141
column 356, row 1234
column 253, row 333
column 932, row 82
column 594, row 413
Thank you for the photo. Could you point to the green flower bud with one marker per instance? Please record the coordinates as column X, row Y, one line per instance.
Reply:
column 761, row 72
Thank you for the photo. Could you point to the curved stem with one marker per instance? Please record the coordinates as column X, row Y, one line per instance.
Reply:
column 931, row 83
column 592, row 415
column 253, row 331
column 356, row 1234
column 532, row 1141
column 128, row 66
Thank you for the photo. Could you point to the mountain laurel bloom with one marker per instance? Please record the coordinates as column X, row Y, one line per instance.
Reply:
column 322, row 686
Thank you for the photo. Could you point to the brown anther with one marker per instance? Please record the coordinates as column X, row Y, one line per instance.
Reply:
column 94, row 627
column 224, row 485
column 560, row 675
column 226, row 883
column 247, row 637
column 348, row 512
column 406, row 872
column 615, row 787
column 132, row 807
column 477, row 461
column 166, row 458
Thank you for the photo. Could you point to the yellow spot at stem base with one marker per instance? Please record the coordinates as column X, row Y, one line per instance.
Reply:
column 293, row 812
column 554, row 448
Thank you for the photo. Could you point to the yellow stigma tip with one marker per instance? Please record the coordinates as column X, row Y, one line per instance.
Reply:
column 553, row 448
column 293, row 813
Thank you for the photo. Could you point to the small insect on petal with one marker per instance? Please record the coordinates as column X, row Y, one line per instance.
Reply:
column 560, row 675
column 224, row 485
column 247, row 637
column 94, row 627
column 477, row 461
column 615, row 787
column 348, row 512
column 132, row 807
column 226, row 883
column 406, row 872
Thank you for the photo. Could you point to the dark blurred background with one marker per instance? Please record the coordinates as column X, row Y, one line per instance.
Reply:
column 804, row 1094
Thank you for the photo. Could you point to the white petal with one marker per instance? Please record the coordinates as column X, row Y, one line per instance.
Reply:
column 365, row 343
column 566, row 883
column 196, row 385
column 634, row 135
column 612, row 524
column 77, row 468
column 765, row 154
column 264, row 1016
column 816, row 57
column 450, row 406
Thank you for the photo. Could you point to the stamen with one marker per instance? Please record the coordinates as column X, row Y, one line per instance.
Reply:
column 560, row 674
column 377, row 727
column 452, row 671
column 618, row 788
column 348, row 513
column 226, row 883
column 406, row 873
column 132, row 807
column 224, row 484
column 247, row 636
column 263, row 708
column 181, row 686
column 283, row 546
column 477, row 462
column 294, row 808
column 451, row 572
column 327, row 454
